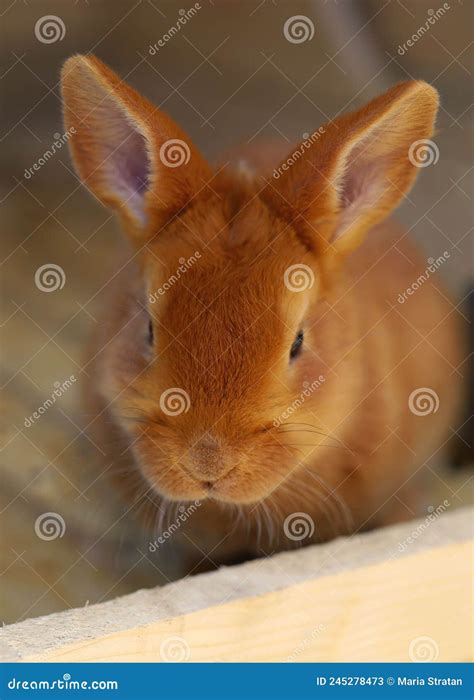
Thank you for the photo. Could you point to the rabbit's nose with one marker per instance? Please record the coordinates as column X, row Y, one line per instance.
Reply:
column 207, row 459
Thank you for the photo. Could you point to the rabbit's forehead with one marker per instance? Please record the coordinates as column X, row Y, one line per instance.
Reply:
column 225, row 342
column 231, row 299
column 232, row 294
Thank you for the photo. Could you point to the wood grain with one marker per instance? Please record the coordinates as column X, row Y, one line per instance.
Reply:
column 373, row 613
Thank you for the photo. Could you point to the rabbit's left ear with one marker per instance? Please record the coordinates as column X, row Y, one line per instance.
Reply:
column 130, row 154
column 337, row 185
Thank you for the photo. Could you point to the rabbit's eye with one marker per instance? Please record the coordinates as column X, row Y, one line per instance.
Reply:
column 297, row 345
column 150, row 332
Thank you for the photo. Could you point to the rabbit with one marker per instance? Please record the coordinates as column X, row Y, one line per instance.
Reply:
column 256, row 382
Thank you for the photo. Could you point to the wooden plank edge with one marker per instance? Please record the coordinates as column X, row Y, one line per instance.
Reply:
column 41, row 636
column 393, row 611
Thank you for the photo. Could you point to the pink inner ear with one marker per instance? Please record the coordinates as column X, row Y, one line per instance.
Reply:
column 127, row 170
column 122, row 160
column 361, row 186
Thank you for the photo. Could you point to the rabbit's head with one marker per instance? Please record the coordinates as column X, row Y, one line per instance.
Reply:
column 216, row 366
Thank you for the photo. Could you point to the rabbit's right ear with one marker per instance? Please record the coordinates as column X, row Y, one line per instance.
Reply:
column 131, row 156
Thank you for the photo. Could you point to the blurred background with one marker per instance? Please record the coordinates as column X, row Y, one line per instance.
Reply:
column 231, row 75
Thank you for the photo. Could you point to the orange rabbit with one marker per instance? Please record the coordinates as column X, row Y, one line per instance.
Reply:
column 253, row 356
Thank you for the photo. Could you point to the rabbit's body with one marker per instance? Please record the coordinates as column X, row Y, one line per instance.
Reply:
column 254, row 358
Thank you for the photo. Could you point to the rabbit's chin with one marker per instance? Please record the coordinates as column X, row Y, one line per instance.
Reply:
column 231, row 489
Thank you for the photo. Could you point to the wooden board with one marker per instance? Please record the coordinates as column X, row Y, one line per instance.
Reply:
column 399, row 605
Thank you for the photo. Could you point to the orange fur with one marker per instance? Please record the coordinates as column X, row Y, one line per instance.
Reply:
column 223, row 330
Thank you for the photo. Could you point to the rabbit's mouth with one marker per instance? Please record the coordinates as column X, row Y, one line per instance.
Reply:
column 223, row 489
column 239, row 484
column 211, row 467
column 212, row 487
